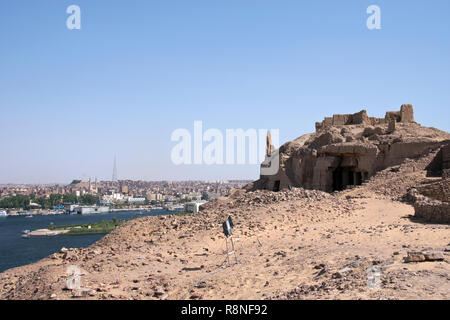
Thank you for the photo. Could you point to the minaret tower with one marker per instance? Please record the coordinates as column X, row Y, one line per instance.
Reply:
column 114, row 175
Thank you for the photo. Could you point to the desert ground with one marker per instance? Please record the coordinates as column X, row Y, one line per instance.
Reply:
column 292, row 244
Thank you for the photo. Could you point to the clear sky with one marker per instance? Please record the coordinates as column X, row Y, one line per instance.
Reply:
column 137, row 70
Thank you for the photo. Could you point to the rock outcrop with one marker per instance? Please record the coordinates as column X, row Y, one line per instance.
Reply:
column 347, row 149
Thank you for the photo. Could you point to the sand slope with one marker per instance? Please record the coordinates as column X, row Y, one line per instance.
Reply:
column 293, row 245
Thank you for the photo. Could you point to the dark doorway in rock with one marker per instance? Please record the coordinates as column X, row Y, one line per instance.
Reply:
column 276, row 186
column 346, row 176
column 359, row 178
column 351, row 177
column 366, row 176
column 337, row 179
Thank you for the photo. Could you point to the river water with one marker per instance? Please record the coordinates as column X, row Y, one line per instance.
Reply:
column 16, row 251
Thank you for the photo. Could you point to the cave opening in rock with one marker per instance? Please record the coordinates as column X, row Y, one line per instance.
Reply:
column 351, row 177
column 358, row 178
column 346, row 176
column 276, row 186
column 337, row 179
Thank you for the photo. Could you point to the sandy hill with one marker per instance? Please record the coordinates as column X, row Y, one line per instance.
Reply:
column 358, row 210
column 293, row 244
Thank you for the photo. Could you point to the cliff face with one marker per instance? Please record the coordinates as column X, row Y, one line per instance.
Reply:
column 346, row 150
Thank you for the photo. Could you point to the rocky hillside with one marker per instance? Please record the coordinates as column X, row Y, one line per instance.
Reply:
column 292, row 244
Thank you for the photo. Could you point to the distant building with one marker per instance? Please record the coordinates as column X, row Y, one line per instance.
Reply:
column 154, row 197
column 92, row 209
column 194, row 206
column 114, row 197
column 136, row 200
column 71, row 207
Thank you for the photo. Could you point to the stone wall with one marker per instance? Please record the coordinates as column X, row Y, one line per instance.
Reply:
column 377, row 121
column 436, row 191
column 432, row 210
column 345, row 119
column 432, row 201
column 406, row 114
column 395, row 115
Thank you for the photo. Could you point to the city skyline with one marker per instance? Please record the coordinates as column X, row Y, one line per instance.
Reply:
column 137, row 71
column 126, row 180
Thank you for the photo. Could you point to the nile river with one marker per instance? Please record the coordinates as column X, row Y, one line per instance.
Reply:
column 16, row 251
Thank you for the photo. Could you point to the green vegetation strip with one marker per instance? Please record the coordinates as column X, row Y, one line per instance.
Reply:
column 101, row 227
column 183, row 213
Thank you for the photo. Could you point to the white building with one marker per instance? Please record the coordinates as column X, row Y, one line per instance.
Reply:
column 136, row 200
column 194, row 206
column 115, row 197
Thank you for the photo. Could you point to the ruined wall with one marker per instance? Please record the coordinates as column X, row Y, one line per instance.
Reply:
column 395, row 115
column 432, row 201
column 360, row 118
column 432, row 210
column 436, row 191
column 345, row 119
column 350, row 119
column 405, row 115
column 377, row 121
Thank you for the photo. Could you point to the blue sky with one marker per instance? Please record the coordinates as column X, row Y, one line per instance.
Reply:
column 137, row 70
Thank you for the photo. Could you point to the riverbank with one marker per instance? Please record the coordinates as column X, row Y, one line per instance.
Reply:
column 47, row 232
column 101, row 227
column 288, row 246
column 46, row 212
column 17, row 250
column 293, row 244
